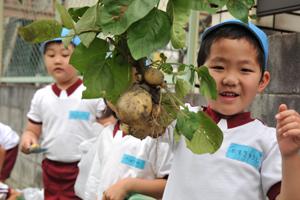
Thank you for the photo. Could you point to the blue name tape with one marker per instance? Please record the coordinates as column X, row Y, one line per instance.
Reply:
column 79, row 115
column 245, row 154
column 133, row 161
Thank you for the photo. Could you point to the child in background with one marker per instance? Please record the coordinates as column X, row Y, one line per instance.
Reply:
column 61, row 119
column 9, row 141
column 122, row 164
column 254, row 161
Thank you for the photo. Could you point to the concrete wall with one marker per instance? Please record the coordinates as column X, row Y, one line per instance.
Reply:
column 284, row 65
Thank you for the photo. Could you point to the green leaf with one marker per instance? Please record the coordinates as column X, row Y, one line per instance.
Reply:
column 250, row 3
column 210, row 6
column 108, row 79
column 87, row 27
column 89, row 20
column 218, row 4
column 167, row 68
column 65, row 17
column 208, row 86
column 238, row 9
column 181, row 67
column 87, row 38
column 122, row 77
column 180, row 18
column 149, row 34
column 207, row 138
column 192, row 77
column 98, row 80
column 76, row 13
column 118, row 15
column 83, row 57
column 187, row 123
column 40, row 31
column 182, row 88
column 201, row 133
column 68, row 38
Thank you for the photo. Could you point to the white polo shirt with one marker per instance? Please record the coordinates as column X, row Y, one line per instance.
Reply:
column 66, row 120
column 8, row 137
column 119, row 157
column 244, row 168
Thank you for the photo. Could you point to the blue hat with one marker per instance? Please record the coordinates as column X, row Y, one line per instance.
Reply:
column 64, row 32
column 257, row 33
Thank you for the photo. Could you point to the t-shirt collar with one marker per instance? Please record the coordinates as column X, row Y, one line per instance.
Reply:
column 232, row 121
column 69, row 90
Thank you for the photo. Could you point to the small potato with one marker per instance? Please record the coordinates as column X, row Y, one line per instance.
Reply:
column 134, row 105
column 154, row 76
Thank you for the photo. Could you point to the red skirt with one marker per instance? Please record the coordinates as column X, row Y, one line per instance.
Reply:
column 59, row 180
column 9, row 162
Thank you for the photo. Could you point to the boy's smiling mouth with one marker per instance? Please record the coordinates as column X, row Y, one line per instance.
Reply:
column 228, row 94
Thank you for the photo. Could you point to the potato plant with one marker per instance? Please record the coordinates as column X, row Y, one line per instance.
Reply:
column 117, row 39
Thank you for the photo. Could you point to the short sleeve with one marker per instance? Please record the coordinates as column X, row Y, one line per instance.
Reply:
column 34, row 113
column 8, row 137
column 271, row 165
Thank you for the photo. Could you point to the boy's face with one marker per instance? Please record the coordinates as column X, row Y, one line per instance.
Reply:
column 56, row 58
column 234, row 66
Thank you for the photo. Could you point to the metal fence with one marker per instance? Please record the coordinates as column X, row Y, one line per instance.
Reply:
column 19, row 57
column 22, row 61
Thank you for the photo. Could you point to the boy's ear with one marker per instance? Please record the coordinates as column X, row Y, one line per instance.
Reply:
column 264, row 82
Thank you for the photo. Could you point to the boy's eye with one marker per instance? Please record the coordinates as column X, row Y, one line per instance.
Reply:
column 246, row 70
column 50, row 55
column 66, row 55
column 217, row 67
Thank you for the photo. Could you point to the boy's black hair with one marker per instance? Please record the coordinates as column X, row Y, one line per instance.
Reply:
column 230, row 32
column 57, row 42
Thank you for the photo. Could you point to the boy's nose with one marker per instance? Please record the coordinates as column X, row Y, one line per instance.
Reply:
column 57, row 59
column 230, row 80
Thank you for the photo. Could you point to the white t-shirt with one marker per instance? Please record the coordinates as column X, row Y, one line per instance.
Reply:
column 66, row 121
column 245, row 167
column 8, row 137
column 89, row 161
column 121, row 157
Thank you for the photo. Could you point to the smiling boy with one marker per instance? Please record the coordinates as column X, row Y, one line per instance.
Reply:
column 254, row 161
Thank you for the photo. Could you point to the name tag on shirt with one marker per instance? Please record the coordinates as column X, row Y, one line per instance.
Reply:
column 245, row 154
column 79, row 115
column 133, row 161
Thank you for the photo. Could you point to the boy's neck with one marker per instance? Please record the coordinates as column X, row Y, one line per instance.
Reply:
column 67, row 84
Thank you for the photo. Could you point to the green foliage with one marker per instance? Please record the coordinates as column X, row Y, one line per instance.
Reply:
column 40, row 31
column 84, row 57
column 182, row 88
column 149, row 34
column 207, row 83
column 107, row 79
column 179, row 16
column 201, row 133
column 118, row 15
column 65, row 17
column 130, row 30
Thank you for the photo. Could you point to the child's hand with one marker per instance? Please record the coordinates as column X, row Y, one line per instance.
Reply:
column 26, row 143
column 288, row 131
column 116, row 192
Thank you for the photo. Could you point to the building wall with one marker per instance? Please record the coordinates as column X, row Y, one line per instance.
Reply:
column 284, row 66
